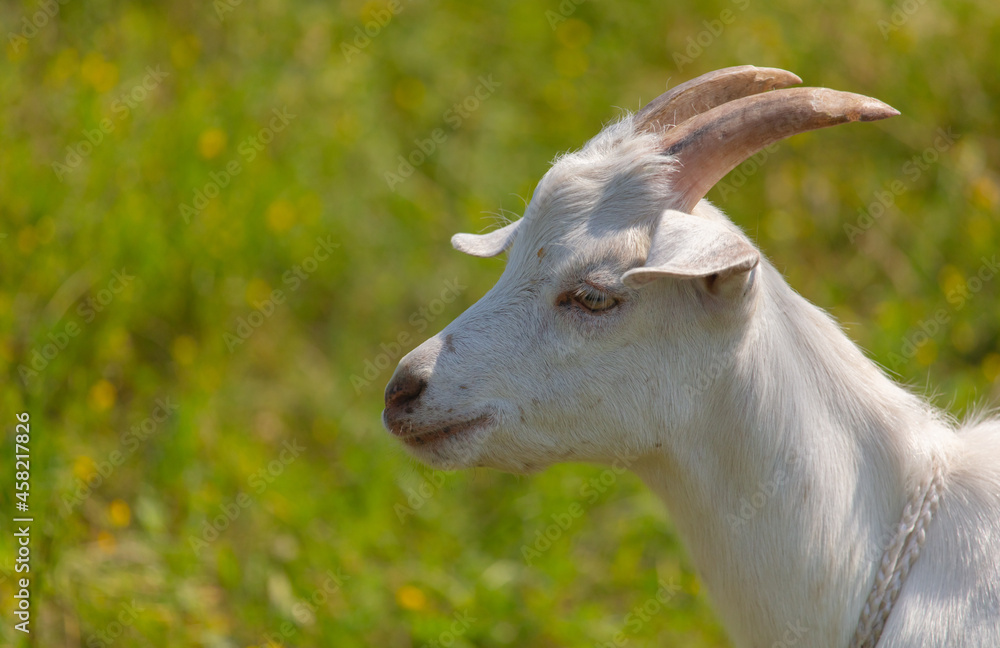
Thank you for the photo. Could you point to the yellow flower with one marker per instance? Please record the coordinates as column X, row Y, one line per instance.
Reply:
column 120, row 513
column 211, row 143
column 411, row 598
column 102, row 395
column 100, row 74
column 280, row 215
column 106, row 542
column 83, row 467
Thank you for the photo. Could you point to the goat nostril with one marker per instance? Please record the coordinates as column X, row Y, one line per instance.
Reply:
column 403, row 389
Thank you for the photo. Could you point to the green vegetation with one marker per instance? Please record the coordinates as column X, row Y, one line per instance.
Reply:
column 206, row 280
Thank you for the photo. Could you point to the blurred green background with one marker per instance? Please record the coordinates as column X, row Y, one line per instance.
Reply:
column 207, row 277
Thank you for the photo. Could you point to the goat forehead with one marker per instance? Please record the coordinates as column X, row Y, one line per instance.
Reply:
column 594, row 206
column 591, row 184
column 560, row 247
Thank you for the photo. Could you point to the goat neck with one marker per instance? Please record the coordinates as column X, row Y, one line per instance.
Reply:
column 806, row 454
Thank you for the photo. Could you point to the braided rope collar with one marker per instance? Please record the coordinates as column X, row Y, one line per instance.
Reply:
column 898, row 559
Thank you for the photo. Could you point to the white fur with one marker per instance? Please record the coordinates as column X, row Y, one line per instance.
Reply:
column 784, row 455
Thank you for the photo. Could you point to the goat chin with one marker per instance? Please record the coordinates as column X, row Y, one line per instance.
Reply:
column 635, row 325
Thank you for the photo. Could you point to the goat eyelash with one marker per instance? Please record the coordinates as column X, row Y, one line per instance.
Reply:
column 593, row 299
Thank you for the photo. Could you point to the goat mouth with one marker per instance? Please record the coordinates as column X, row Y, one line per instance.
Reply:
column 416, row 437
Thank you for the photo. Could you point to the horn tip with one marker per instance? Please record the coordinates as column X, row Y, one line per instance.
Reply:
column 777, row 78
column 848, row 106
column 874, row 110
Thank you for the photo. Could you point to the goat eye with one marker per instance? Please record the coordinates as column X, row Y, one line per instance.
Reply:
column 594, row 300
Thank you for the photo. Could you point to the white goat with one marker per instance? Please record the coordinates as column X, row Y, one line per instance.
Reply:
column 633, row 317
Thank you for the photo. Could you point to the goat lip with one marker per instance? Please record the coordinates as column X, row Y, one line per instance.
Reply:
column 416, row 437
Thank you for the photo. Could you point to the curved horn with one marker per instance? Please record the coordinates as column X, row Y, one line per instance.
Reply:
column 708, row 91
column 710, row 145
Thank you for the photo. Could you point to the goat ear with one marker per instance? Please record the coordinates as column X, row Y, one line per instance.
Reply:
column 486, row 245
column 691, row 247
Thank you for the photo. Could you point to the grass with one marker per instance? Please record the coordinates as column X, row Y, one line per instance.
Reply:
column 213, row 258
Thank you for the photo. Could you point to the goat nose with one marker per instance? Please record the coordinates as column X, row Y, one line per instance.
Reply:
column 404, row 388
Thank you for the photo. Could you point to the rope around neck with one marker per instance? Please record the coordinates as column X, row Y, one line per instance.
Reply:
column 897, row 560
